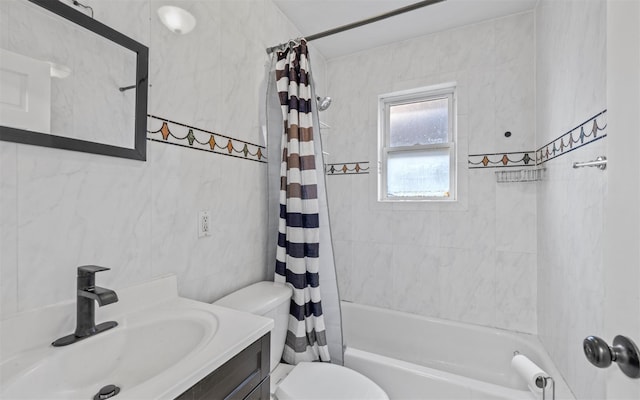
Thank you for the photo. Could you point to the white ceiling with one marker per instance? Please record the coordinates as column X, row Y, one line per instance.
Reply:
column 314, row 16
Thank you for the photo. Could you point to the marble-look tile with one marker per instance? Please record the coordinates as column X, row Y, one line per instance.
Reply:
column 482, row 115
column 416, row 284
column 342, row 251
column 8, row 228
column 483, row 190
column 75, row 209
column 369, row 70
column 346, row 140
column 177, row 182
column 277, row 27
column 140, row 218
column 371, row 226
column 432, row 79
column 577, row 84
column 462, row 137
column 516, row 285
column 179, row 171
column 467, row 286
column 340, row 206
column 62, row 105
column 474, row 228
column 190, row 100
column 516, row 217
column 514, row 110
column 416, row 59
column 585, row 302
column 513, row 39
column 466, row 230
column 364, row 194
column 243, row 18
column 96, row 78
column 185, row 71
column 240, row 100
column 236, row 248
column 415, row 228
column 570, row 202
column 30, row 23
column 372, row 276
column 586, row 197
column 466, row 47
column 4, row 25
column 129, row 17
column 329, row 286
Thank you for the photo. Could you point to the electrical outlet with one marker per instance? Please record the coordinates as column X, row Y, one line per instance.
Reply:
column 204, row 224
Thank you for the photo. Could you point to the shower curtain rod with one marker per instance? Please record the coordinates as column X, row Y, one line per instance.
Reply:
column 363, row 22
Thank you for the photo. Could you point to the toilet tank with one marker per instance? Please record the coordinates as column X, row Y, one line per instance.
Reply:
column 269, row 299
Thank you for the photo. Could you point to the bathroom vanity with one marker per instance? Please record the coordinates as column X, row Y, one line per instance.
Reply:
column 163, row 347
column 245, row 376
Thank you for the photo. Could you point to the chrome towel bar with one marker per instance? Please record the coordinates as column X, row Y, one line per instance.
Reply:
column 600, row 163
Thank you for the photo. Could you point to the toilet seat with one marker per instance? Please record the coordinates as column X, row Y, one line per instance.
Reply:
column 324, row 381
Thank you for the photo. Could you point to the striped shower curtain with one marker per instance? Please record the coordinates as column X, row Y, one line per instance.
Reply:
column 297, row 258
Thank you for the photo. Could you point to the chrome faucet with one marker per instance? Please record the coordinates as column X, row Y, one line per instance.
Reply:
column 87, row 293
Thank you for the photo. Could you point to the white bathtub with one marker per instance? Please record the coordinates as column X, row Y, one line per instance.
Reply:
column 414, row 357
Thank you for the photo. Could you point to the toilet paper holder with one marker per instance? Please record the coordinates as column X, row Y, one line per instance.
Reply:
column 541, row 383
column 623, row 352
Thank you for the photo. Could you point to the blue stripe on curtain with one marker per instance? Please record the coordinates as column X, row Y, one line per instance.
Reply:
column 308, row 309
column 297, row 255
column 302, row 105
column 299, row 220
column 298, row 250
column 298, row 281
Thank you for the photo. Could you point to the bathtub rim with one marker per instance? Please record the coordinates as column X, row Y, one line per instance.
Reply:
column 530, row 339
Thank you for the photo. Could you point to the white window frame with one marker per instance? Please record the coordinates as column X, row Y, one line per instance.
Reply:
column 385, row 101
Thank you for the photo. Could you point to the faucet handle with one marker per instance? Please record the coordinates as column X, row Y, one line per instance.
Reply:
column 86, row 270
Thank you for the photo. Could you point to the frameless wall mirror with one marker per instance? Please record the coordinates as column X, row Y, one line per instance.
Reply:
column 70, row 82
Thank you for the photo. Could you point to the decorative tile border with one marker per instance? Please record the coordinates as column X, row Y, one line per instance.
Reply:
column 583, row 134
column 502, row 160
column 587, row 132
column 349, row 168
column 165, row 131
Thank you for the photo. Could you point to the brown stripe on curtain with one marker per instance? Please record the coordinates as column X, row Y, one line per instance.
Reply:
column 301, row 134
column 302, row 191
column 304, row 163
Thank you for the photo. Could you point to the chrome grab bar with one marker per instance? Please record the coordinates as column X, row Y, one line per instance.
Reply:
column 600, row 163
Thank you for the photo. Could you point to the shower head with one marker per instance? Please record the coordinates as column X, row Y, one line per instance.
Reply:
column 323, row 103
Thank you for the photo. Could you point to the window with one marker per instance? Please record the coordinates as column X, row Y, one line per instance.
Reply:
column 417, row 145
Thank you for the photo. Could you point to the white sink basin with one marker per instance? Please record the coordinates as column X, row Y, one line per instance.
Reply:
column 157, row 352
column 140, row 347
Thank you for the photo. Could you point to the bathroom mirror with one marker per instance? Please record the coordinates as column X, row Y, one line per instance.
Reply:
column 70, row 82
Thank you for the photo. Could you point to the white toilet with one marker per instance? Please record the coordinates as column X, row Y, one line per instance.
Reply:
column 317, row 380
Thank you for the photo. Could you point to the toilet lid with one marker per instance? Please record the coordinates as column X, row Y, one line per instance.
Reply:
column 327, row 381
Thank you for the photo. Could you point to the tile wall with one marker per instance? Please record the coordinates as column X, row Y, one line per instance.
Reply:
column 473, row 260
column 492, row 258
column 60, row 209
column 571, row 88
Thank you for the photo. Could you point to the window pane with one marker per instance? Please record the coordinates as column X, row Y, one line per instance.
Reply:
column 425, row 122
column 418, row 173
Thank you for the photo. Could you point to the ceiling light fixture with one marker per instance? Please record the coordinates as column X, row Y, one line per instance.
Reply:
column 176, row 19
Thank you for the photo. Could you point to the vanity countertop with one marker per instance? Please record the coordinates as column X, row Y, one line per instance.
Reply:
column 162, row 346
